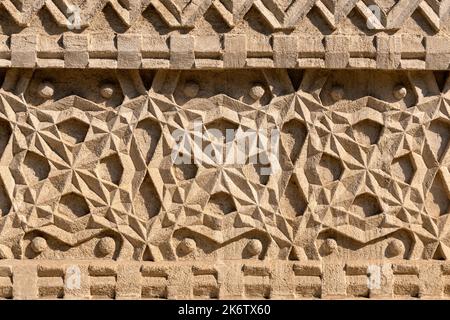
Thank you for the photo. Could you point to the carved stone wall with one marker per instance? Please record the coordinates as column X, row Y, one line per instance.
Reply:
column 93, row 205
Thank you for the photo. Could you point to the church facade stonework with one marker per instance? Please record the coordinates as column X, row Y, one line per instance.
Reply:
column 224, row 149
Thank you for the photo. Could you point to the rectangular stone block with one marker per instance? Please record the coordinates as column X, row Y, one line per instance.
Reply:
column 235, row 51
column 432, row 285
column 25, row 282
column 102, row 45
column 285, row 51
column 76, row 281
column 129, row 282
column 334, row 281
column 337, row 52
column 437, row 53
column 208, row 46
column 181, row 52
column 76, row 53
column 388, row 52
column 129, row 51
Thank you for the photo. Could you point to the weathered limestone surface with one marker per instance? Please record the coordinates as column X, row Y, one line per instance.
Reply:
column 163, row 34
column 92, row 204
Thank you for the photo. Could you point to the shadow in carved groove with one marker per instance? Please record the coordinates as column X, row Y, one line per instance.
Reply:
column 5, row 135
column 330, row 168
column 36, row 167
column 220, row 203
column 113, row 19
column 441, row 79
column 293, row 137
column 147, row 133
column 5, row 202
column 147, row 203
column 437, row 201
column 185, row 171
column 403, row 169
column 216, row 21
column 73, row 131
column 111, row 169
column 73, row 206
column 439, row 136
column 366, row 205
column 367, row 132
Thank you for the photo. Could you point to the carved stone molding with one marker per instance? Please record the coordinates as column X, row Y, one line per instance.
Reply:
column 93, row 204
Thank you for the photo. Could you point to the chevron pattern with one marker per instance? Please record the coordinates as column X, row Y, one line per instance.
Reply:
column 177, row 14
column 349, row 199
column 361, row 173
column 230, row 280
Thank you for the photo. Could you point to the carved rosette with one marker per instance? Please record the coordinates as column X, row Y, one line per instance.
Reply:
column 94, row 95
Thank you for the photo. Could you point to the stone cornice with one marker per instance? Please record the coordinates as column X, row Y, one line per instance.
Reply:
column 136, row 51
column 412, row 35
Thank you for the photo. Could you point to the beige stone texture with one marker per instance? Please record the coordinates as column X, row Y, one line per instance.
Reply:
column 92, row 205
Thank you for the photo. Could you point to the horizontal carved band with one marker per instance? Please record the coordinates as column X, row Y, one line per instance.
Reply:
column 226, row 149
column 277, row 16
column 229, row 279
column 409, row 35
column 356, row 169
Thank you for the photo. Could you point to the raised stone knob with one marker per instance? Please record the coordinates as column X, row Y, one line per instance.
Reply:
column 257, row 91
column 39, row 244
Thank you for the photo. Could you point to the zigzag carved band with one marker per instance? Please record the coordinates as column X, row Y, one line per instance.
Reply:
column 135, row 51
column 94, row 93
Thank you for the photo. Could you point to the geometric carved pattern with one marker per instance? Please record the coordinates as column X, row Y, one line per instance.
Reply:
column 121, row 129
column 278, row 15
column 361, row 176
column 162, row 34
column 300, row 280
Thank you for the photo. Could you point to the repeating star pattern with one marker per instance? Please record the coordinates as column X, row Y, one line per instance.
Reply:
column 364, row 173
column 284, row 15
